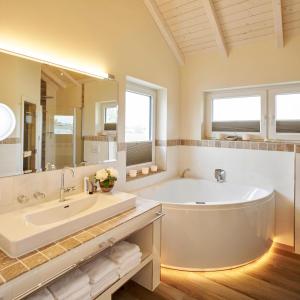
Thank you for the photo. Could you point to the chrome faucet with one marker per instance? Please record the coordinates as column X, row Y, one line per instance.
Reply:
column 64, row 190
column 184, row 171
column 220, row 175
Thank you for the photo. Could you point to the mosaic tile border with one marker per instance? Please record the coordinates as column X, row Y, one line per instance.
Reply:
column 249, row 145
column 10, row 141
column 167, row 143
column 11, row 268
column 101, row 138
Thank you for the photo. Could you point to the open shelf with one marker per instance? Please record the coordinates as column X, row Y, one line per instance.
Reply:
column 146, row 259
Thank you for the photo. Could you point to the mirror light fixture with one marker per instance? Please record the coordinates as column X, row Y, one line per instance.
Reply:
column 7, row 121
column 44, row 60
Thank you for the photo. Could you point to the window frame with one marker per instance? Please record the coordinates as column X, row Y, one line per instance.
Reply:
column 272, row 92
column 143, row 90
column 209, row 96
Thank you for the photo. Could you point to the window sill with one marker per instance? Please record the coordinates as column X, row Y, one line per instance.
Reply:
column 140, row 175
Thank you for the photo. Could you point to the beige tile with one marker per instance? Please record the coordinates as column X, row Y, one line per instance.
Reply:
column 105, row 226
column 5, row 260
column 53, row 251
column 281, row 147
column 290, row 147
column 34, row 260
column 13, row 271
column 27, row 255
column 84, row 236
column 69, row 243
column 95, row 230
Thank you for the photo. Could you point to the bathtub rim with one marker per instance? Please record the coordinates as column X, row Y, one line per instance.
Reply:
column 210, row 205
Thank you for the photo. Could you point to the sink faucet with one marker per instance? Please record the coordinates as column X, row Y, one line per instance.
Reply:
column 64, row 190
column 220, row 175
column 184, row 171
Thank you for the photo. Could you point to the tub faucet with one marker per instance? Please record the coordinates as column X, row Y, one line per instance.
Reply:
column 220, row 175
column 184, row 171
column 64, row 190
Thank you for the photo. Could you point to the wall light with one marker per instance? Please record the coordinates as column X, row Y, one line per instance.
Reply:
column 46, row 60
column 7, row 121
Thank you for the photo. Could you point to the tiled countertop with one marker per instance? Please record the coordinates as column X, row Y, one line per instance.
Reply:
column 11, row 268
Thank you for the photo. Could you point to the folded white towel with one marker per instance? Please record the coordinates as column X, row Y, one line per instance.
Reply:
column 130, row 264
column 121, row 251
column 100, row 286
column 69, row 284
column 97, row 269
column 83, row 293
column 42, row 294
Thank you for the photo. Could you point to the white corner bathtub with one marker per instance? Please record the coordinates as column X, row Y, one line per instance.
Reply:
column 212, row 226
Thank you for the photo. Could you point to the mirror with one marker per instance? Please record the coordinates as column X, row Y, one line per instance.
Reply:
column 62, row 118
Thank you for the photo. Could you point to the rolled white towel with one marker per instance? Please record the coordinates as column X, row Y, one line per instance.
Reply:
column 83, row 293
column 130, row 264
column 103, row 284
column 69, row 284
column 97, row 269
column 121, row 251
column 42, row 294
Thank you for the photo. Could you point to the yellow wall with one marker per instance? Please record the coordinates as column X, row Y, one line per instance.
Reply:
column 251, row 64
column 117, row 36
column 19, row 80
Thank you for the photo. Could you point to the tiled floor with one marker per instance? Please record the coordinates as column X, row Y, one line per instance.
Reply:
column 275, row 277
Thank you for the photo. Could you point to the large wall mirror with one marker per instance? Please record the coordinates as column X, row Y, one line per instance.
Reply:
column 62, row 118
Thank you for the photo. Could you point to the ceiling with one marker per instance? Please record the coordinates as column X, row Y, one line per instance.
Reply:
column 202, row 25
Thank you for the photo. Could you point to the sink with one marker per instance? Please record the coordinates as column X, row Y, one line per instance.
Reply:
column 60, row 212
column 28, row 229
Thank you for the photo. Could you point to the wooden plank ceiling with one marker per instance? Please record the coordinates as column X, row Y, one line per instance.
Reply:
column 201, row 25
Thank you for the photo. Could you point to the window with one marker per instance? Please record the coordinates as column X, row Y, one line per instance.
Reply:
column 236, row 112
column 63, row 124
column 285, row 113
column 240, row 114
column 139, row 125
column 110, row 118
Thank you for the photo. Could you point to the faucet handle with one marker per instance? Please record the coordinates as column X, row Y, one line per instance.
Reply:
column 22, row 199
column 71, row 188
column 39, row 195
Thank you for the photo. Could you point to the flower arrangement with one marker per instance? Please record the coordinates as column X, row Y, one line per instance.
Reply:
column 107, row 178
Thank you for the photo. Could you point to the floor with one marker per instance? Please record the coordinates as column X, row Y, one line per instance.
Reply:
column 275, row 276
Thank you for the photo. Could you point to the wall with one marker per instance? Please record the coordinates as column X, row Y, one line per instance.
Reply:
column 24, row 76
column 118, row 37
column 251, row 64
column 297, row 204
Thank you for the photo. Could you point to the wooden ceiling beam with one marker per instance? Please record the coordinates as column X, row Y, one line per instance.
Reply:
column 164, row 30
column 69, row 76
column 278, row 25
column 53, row 76
column 215, row 26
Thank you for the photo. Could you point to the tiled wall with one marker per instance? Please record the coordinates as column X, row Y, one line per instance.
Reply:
column 49, row 182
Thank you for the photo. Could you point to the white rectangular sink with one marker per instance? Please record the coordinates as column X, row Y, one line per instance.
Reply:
column 30, row 228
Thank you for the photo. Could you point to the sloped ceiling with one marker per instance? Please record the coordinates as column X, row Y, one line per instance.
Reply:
column 203, row 25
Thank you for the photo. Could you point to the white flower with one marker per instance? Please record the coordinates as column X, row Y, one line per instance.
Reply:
column 101, row 175
column 113, row 172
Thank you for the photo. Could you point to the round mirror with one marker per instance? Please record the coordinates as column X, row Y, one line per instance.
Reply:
column 7, row 121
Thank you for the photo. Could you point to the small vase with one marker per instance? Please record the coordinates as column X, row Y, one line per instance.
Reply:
column 106, row 189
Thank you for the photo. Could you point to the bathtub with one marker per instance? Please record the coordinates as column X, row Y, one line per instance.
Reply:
column 212, row 226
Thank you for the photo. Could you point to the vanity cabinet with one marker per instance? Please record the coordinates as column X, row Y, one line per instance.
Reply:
column 141, row 225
